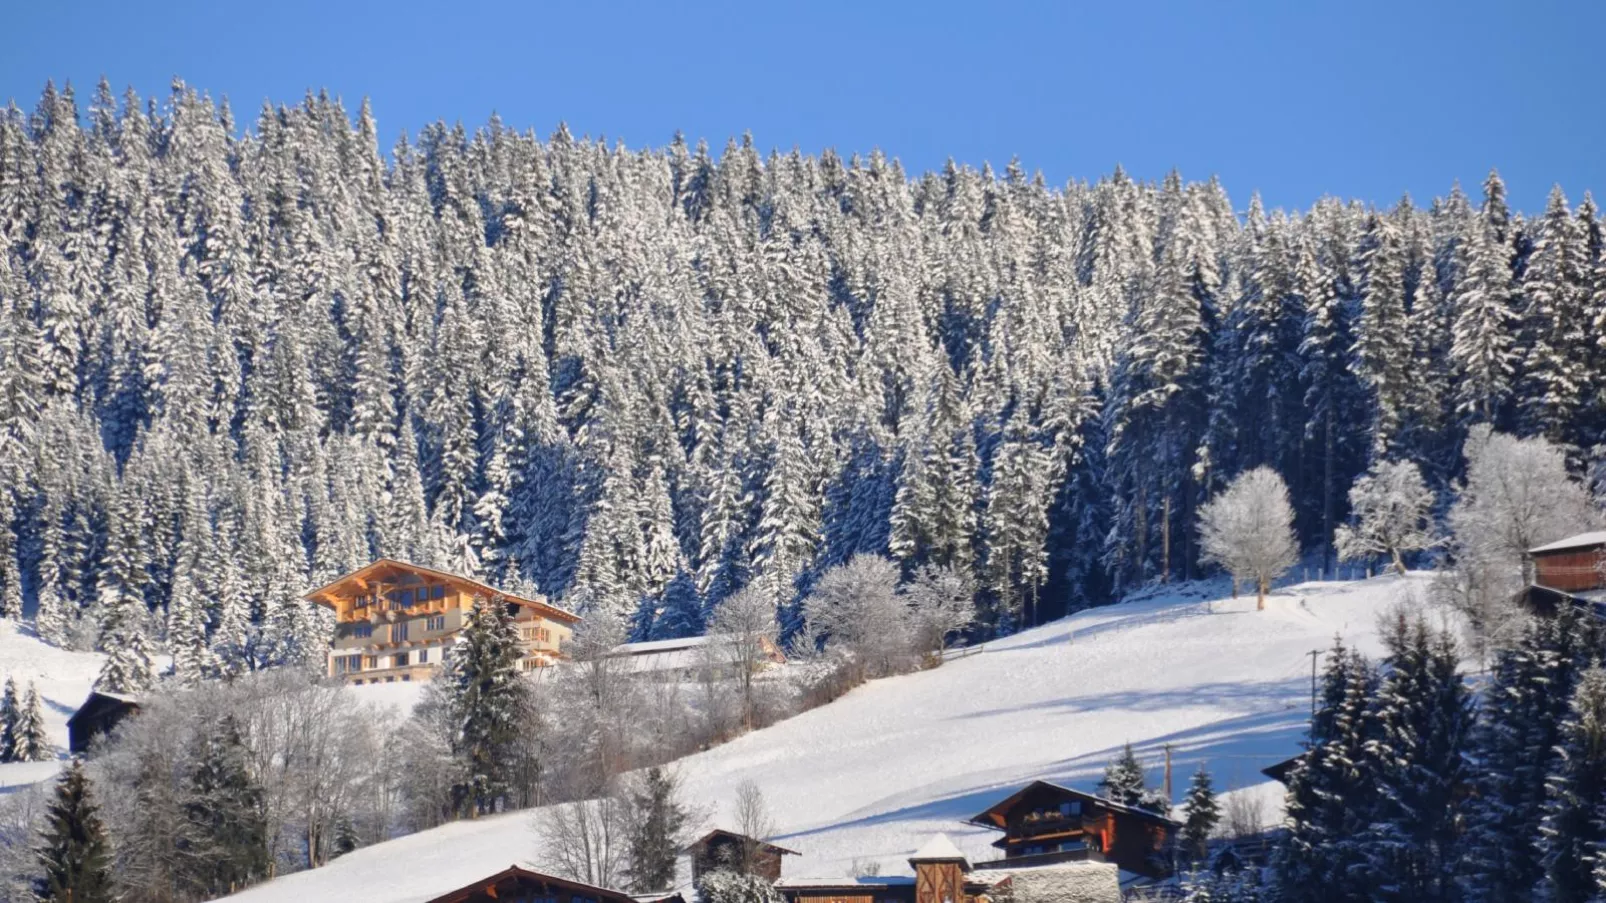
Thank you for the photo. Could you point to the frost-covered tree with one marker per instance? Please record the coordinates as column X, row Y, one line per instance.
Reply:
column 1124, row 782
column 486, row 695
column 28, row 740
column 1201, row 814
column 942, row 602
column 128, row 669
column 742, row 626
column 856, row 607
column 1574, row 827
column 1392, row 509
column 74, row 859
column 1247, row 528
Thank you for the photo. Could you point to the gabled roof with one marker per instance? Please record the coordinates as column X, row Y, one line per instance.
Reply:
column 994, row 816
column 362, row 575
column 718, row 833
column 1579, row 541
column 516, row 873
column 101, row 699
column 939, row 849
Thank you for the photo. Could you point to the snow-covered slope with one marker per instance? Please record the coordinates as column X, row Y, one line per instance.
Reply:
column 63, row 679
column 873, row 775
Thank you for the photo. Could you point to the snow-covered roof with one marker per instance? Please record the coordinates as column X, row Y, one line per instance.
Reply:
column 1579, row 541
column 650, row 646
column 847, row 881
column 1066, row 882
column 938, row 848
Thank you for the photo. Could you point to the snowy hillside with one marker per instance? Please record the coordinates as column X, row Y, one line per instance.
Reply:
column 63, row 679
column 874, row 774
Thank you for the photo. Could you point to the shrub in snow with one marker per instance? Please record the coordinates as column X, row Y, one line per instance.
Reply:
column 1248, row 528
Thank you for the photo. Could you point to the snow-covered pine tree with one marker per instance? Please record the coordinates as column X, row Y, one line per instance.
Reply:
column 1523, row 707
column 1574, row 828
column 1124, row 782
column 1201, row 814
column 226, row 805
column 1382, row 336
column 74, row 858
column 487, row 694
column 1553, row 325
column 1331, row 792
column 657, row 834
column 193, row 659
column 28, row 740
column 10, row 714
column 1422, row 723
column 127, row 669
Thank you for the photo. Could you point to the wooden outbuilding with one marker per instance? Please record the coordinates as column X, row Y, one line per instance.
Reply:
column 1575, row 564
column 521, row 885
column 99, row 714
column 1045, row 823
column 728, row 850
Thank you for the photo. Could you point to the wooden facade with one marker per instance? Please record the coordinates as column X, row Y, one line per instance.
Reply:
column 521, row 885
column 1575, row 564
column 99, row 714
column 395, row 620
column 726, row 849
column 1045, row 823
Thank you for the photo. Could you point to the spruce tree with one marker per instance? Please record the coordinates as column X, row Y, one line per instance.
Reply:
column 127, row 669
column 1201, row 815
column 74, row 859
column 10, row 714
column 1422, row 723
column 657, row 833
column 1124, row 782
column 28, row 741
column 1574, row 828
column 487, row 697
column 226, row 806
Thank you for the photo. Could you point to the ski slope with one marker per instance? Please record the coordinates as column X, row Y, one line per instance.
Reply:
column 873, row 775
column 63, row 679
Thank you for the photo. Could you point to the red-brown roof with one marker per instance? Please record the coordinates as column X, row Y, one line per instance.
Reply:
column 994, row 816
column 490, row 592
column 515, row 874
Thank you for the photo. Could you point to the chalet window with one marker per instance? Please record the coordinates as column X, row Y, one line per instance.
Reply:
column 406, row 598
column 423, row 656
column 401, row 659
column 438, row 622
column 371, row 662
column 1072, row 808
column 363, row 631
column 437, row 592
column 398, row 633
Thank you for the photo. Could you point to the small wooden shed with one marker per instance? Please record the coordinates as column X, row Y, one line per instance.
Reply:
column 99, row 714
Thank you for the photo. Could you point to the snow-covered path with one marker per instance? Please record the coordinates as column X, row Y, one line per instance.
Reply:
column 873, row 775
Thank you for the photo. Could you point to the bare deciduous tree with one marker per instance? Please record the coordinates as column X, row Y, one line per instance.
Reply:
column 751, row 815
column 742, row 626
column 587, row 840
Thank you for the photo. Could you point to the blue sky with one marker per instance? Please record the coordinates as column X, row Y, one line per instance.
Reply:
column 1295, row 99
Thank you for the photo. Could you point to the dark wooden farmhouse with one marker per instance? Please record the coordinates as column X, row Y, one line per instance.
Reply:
column 726, row 849
column 520, row 885
column 97, row 716
column 1045, row 823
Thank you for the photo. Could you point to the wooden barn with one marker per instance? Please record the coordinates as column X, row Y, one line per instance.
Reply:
column 688, row 658
column 520, row 885
column 99, row 714
column 394, row 621
column 1572, row 565
column 1045, row 823
column 726, row 849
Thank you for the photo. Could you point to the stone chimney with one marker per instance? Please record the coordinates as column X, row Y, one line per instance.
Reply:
column 939, row 871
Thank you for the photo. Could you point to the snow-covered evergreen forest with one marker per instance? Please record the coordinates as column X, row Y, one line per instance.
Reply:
column 240, row 358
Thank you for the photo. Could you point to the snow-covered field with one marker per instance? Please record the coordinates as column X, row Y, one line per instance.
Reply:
column 63, row 679
column 873, row 775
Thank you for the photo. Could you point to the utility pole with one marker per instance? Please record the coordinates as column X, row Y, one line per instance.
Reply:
column 1314, row 653
column 1168, row 773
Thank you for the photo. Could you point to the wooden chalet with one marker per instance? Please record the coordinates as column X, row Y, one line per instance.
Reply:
column 1045, row 823
column 99, row 714
column 726, row 849
column 395, row 620
column 521, row 885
